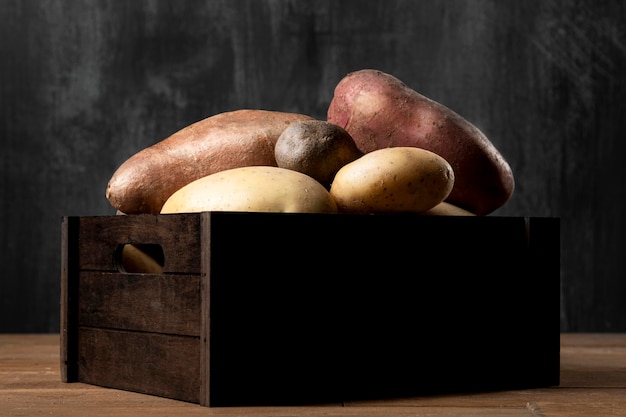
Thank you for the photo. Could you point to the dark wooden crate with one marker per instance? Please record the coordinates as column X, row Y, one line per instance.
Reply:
column 279, row 309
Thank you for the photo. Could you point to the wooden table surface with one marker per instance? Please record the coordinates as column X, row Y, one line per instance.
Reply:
column 593, row 383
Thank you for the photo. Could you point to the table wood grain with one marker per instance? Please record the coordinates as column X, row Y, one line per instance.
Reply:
column 593, row 383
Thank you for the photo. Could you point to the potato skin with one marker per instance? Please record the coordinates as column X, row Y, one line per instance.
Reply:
column 447, row 209
column 223, row 141
column 135, row 260
column 252, row 189
column 380, row 111
column 393, row 180
column 315, row 148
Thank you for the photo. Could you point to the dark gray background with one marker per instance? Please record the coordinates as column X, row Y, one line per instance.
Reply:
column 85, row 84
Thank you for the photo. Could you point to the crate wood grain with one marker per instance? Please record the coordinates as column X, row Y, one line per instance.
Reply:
column 280, row 309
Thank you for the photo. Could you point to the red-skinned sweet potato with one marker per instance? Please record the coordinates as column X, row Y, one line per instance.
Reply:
column 380, row 111
column 227, row 140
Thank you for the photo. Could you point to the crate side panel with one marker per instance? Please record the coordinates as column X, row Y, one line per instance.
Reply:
column 273, row 340
column 166, row 366
column 444, row 309
column 545, row 264
column 452, row 303
column 69, row 299
column 155, row 303
column 178, row 236
column 384, row 305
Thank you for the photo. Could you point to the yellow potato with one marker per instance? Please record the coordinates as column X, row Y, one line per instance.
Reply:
column 447, row 209
column 253, row 189
column 400, row 179
column 136, row 260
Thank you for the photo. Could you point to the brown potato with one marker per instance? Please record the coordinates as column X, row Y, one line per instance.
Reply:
column 315, row 148
column 228, row 140
column 380, row 111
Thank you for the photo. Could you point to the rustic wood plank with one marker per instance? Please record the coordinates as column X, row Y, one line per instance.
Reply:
column 163, row 365
column 553, row 402
column 605, row 403
column 512, row 399
column 597, row 361
column 94, row 404
column 178, row 235
column 29, row 362
column 205, row 309
column 162, row 303
column 593, row 367
column 582, row 340
column 121, row 404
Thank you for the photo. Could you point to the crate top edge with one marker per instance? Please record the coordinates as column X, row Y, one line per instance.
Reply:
column 240, row 213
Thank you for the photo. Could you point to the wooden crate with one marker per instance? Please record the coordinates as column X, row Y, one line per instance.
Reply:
column 279, row 309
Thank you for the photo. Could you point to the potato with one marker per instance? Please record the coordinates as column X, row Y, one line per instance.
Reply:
column 380, row 111
column 253, row 189
column 400, row 179
column 136, row 260
column 315, row 148
column 447, row 209
column 226, row 140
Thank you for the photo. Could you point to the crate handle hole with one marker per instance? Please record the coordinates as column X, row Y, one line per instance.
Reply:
column 139, row 258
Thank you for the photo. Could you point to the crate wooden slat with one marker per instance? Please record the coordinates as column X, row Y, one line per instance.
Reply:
column 152, row 363
column 277, row 309
column 178, row 236
column 141, row 302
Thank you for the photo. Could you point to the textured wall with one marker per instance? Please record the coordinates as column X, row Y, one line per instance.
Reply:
column 85, row 84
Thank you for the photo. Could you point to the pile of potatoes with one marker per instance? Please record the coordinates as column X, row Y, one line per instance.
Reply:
column 384, row 148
